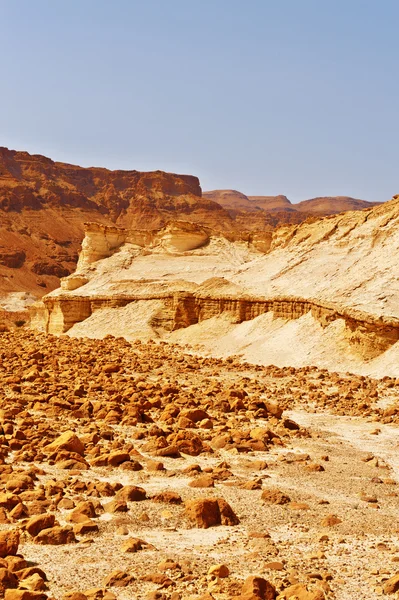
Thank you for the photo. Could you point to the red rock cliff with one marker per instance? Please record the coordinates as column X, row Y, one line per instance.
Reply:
column 43, row 205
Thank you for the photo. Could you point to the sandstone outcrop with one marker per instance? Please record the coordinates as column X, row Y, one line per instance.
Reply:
column 44, row 204
column 184, row 275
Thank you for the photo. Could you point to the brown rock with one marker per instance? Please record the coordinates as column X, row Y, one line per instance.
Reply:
column 83, row 511
column 227, row 515
column 168, row 497
column 274, row 566
column 56, row 536
column 38, row 523
column 159, row 579
column 24, row 595
column 274, row 496
column 257, row 587
column 116, row 506
column 209, row 512
column 67, row 441
column 132, row 545
column 34, row 582
column 219, row 571
column 131, row 493
column 205, row 512
column 118, row 579
column 9, row 542
column 392, row 585
column 203, row 481
column 7, row 579
column 300, row 592
column 85, row 528
column 330, row 521
column 117, row 458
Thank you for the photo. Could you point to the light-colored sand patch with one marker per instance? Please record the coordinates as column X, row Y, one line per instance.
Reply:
column 358, row 433
column 131, row 322
column 266, row 340
column 17, row 301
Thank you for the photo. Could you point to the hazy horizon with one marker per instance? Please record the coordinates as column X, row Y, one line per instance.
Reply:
column 265, row 98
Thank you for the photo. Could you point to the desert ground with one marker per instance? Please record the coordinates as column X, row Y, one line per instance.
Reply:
column 136, row 470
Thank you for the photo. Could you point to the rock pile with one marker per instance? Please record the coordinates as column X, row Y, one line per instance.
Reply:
column 118, row 461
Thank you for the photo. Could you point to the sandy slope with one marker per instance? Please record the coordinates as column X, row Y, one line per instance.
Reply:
column 349, row 261
column 303, row 341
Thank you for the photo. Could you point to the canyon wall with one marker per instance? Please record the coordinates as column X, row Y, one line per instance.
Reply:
column 336, row 277
column 372, row 336
column 44, row 205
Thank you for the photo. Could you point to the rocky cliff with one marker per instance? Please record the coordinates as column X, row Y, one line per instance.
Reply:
column 339, row 272
column 44, row 204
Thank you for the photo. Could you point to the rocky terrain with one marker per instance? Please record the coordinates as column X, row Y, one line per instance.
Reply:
column 201, row 410
column 321, row 293
column 133, row 470
column 44, row 205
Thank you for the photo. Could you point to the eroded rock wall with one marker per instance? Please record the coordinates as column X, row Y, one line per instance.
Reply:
column 372, row 336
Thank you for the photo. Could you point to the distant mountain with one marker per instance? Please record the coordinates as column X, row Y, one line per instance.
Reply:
column 328, row 205
column 44, row 205
column 233, row 200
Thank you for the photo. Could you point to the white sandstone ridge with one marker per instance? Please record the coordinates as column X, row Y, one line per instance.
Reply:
column 102, row 241
column 336, row 277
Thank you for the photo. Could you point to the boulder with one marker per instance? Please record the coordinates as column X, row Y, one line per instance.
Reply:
column 208, row 512
column 257, row 588
column 9, row 542
column 274, row 496
column 67, row 441
column 56, row 536
column 38, row 523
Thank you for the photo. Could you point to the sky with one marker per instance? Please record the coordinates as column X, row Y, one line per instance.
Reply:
column 294, row 97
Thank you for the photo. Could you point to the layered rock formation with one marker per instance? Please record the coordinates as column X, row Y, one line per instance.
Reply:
column 270, row 212
column 339, row 270
column 237, row 201
column 44, row 204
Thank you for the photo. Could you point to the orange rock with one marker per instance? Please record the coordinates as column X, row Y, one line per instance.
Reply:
column 9, row 542
column 39, row 522
column 55, row 536
column 274, row 496
column 209, row 512
column 67, row 441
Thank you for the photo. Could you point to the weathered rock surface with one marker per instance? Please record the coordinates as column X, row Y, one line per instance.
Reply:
column 43, row 205
column 214, row 277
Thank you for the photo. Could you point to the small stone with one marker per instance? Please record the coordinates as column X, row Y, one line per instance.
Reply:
column 219, row 571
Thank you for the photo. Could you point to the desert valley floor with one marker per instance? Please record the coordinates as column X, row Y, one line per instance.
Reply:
column 135, row 470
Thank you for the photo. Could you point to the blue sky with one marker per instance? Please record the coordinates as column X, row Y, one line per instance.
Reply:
column 298, row 97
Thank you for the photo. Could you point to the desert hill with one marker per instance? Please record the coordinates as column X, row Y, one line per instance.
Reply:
column 329, row 205
column 237, row 201
column 323, row 285
column 233, row 200
column 43, row 205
